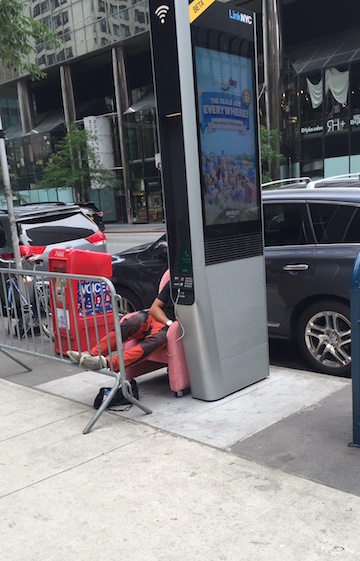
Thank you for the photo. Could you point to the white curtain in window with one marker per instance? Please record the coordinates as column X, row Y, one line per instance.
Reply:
column 335, row 81
column 316, row 94
column 338, row 83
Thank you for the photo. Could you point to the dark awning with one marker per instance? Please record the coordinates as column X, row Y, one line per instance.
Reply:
column 325, row 52
column 147, row 101
column 45, row 123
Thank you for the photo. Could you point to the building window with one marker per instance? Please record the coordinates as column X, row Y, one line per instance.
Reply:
column 311, row 98
column 139, row 16
column 113, row 10
column 60, row 56
column 125, row 32
column 51, row 59
column 46, row 21
column 56, row 21
column 336, row 145
column 67, row 35
column 103, row 25
column 123, row 13
column 355, row 143
column 45, row 6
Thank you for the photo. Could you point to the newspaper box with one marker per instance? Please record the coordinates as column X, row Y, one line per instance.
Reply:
column 82, row 311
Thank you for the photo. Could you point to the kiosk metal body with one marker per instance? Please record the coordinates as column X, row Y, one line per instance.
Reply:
column 204, row 65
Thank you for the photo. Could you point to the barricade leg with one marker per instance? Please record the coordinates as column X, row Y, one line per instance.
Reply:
column 16, row 360
column 104, row 405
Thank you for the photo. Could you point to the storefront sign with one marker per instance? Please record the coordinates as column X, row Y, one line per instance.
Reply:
column 312, row 129
column 355, row 121
column 336, row 125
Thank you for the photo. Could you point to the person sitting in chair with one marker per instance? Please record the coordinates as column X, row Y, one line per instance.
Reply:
column 148, row 327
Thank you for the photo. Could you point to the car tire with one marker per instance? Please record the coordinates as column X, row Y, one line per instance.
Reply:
column 129, row 301
column 324, row 337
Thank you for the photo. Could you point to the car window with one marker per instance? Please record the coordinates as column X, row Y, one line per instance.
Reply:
column 285, row 224
column 56, row 229
column 352, row 233
column 333, row 223
column 4, row 233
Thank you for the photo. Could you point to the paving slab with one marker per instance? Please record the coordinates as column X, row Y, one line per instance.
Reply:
column 134, row 492
column 220, row 423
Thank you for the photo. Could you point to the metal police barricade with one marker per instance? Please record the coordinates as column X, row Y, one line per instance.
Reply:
column 45, row 314
column 355, row 349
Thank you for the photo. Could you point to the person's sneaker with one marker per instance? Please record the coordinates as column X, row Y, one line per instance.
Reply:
column 74, row 356
column 88, row 362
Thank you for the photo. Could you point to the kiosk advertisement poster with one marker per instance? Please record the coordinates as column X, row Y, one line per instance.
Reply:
column 226, row 108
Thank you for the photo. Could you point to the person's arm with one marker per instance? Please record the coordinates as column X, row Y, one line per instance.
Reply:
column 157, row 311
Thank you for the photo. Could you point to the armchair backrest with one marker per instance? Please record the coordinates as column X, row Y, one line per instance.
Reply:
column 164, row 279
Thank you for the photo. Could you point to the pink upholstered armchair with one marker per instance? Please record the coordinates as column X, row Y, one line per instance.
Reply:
column 171, row 356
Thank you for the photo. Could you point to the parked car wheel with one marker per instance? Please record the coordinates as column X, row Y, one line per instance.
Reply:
column 130, row 302
column 324, row 337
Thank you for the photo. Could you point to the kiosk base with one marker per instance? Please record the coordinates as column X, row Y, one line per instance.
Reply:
column 226, row 342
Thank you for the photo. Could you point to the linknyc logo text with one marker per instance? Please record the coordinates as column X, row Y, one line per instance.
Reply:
column 243, row 18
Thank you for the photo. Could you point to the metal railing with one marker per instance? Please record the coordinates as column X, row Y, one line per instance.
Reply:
column 46, row 314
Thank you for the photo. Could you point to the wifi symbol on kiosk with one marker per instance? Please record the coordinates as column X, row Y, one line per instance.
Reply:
column 161, row 12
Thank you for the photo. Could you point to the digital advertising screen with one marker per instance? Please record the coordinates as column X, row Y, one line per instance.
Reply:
column 228, row 140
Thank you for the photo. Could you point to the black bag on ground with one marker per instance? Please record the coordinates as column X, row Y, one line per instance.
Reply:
column 118, row 398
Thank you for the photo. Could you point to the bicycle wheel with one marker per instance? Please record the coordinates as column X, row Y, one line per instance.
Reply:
column 43, row 301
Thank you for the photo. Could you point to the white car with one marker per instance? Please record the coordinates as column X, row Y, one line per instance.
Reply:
column 42, row 227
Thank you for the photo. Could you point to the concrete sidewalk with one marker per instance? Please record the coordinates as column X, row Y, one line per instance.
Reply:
column 193, row 480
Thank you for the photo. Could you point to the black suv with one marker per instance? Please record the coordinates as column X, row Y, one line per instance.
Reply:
column 312, row 238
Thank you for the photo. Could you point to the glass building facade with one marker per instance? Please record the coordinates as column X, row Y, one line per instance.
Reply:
column 101, row 69
column 309, row 74
column 145, row 180
column 320, row 121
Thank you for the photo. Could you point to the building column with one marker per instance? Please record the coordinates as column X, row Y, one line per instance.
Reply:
column 26, row 105
column 272, row 42
column 67, row 94
column 122, row 103
column 272, row 61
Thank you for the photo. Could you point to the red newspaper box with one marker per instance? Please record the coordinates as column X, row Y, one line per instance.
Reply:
column 74, row 296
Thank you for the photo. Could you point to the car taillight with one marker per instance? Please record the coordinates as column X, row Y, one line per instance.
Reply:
column 7, row 256
column 31, row 250
column 96, row 238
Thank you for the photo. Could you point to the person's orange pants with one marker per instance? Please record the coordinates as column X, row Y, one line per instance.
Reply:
column 141, row 326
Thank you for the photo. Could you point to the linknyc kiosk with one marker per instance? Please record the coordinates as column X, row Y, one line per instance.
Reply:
column 204, row 65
